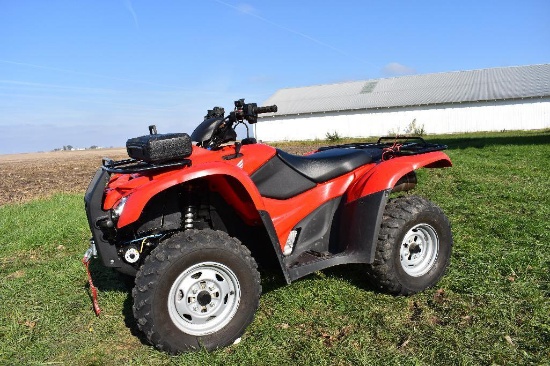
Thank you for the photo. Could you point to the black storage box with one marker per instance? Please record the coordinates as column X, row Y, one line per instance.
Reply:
column 160, row 148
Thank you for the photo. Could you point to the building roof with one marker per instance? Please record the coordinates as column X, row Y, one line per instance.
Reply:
column 532, row 81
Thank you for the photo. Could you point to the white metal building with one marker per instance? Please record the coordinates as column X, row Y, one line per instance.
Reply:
column 507, row 98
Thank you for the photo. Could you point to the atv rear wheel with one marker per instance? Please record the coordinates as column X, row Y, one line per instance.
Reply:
column 414, row 246
column 196, row 289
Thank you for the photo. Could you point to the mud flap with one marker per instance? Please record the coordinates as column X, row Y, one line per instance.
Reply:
column 361, row 224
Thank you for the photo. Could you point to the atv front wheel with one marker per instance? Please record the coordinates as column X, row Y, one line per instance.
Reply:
column 196, row 289
column 414, row 246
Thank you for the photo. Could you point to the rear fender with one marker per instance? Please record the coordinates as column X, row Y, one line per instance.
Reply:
column 366, row 200
column 235, row 185
column 386, row 174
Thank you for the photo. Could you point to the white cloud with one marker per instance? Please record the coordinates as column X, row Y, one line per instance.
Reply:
column 396, row 69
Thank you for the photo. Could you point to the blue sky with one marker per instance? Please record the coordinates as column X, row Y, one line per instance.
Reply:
column 86, row 73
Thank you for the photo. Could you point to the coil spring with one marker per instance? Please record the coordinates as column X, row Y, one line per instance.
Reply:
column 189, row 217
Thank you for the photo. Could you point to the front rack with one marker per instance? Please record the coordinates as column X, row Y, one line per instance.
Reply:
column 130, row 166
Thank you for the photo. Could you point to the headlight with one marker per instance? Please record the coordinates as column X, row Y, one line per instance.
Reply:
column 118, row 208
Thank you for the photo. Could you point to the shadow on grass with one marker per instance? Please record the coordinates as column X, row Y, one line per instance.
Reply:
column 108, row 279
column 130, row 321
column 533, row 138
column 354, row 274
column 272, row 279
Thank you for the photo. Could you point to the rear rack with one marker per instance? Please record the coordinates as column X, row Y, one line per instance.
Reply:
column 129, row 166
column 394, row 146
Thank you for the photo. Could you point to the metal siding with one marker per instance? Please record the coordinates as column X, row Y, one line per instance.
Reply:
column 430, row 89
column 467, row 117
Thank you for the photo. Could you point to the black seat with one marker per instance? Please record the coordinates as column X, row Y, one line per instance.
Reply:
column 328, row 164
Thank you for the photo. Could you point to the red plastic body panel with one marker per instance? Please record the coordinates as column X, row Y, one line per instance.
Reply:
column 231, row 178
column 386, row 174
column 140, row 188
column 287, row 213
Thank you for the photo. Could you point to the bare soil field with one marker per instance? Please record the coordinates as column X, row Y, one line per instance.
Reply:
column 25, row 177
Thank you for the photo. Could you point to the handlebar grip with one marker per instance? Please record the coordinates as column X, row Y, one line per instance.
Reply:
column 266, row 109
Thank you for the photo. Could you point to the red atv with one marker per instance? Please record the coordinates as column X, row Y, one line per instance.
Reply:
column 188, row 216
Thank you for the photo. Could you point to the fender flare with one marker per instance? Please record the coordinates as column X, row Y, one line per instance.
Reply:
column 386, row 174
column 138, row 199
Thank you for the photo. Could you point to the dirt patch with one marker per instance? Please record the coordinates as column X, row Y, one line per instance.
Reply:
column 25, row 177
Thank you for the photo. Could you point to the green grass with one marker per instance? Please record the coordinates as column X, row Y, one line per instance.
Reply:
column 492, row 307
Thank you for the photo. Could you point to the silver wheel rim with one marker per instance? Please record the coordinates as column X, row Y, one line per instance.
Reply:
column 204, row 298
column 419, row 250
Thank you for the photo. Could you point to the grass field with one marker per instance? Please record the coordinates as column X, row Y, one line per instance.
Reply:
column 492, row 307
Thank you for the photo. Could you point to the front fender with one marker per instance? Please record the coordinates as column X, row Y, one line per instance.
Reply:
column 137, row 199
column 386, row 174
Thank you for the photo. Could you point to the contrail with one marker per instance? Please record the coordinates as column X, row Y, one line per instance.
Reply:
column 91, row 101
column 77, row 89
column 92, row 75
column 130, row 8
column 303, row 35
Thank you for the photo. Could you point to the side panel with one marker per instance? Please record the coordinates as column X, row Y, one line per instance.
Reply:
column 359, row 226
column 319, row 231
column 287, row 213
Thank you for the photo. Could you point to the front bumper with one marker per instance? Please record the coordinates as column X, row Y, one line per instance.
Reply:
column 94, row 211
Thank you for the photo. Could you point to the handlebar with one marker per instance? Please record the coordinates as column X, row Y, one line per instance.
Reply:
column 249, row 112
column 266, row 109
column 217, row 129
